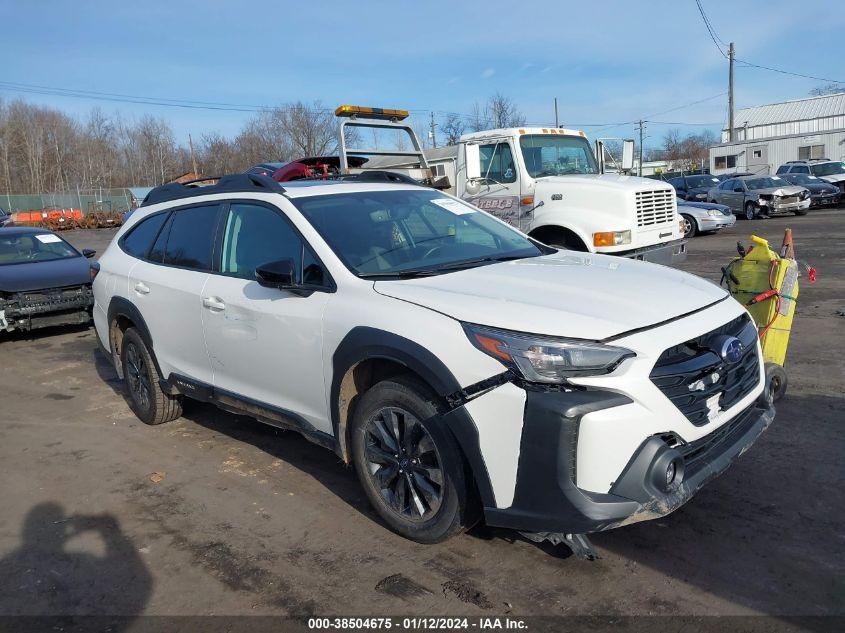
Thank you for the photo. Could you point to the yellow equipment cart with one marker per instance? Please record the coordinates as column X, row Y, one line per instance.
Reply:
column 766, row 283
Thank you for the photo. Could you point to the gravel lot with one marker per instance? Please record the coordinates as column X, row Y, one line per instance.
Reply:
column 217, row 514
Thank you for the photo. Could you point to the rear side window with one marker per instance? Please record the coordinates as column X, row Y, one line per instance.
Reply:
column 800, row 169
column 139, row 240
column 783, row 169
column 190, row 241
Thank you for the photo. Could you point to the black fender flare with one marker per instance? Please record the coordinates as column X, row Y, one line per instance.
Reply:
column 120, row 306
column 363, row 343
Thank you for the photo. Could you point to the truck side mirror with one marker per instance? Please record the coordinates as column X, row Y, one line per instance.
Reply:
column 628, row 154
column 473, row 160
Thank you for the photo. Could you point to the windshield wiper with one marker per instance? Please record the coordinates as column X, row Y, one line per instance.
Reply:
column 400, row 274
column 443, row 268
column 469, row 263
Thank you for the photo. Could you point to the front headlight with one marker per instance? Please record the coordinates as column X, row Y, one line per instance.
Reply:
column 714, row 213
column 546, row 359
column 612, row 238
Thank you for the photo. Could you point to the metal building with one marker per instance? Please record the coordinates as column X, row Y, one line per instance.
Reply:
column 767, row 136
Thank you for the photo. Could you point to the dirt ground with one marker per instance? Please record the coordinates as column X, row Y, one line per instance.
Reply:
column 217, row 514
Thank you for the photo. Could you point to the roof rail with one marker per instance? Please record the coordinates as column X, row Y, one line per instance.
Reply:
column 226, row 184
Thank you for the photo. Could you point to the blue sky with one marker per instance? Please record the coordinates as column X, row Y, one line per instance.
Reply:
column 607, row 62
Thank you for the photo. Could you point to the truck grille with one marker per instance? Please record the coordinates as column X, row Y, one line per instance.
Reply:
column 692, row 373
column 655, row 207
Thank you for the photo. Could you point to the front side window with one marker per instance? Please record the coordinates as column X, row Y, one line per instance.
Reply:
column 783, row 169
column 728, row 185
column 497, row 162
column 190, row 240
column 256, row 235
column 33, row 247
column 557, row 155
column 385, row 233
column 829, row 169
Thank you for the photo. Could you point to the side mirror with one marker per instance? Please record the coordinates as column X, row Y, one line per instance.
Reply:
column 473, row 159
column 88, row 252
column 279, row 274
column 628, row 154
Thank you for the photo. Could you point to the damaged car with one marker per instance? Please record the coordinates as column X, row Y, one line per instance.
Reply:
column 822, row 193
column 44, row 281
column 763, row 196
column 463, row 369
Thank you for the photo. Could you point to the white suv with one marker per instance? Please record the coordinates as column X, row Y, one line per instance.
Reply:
column 461, row 367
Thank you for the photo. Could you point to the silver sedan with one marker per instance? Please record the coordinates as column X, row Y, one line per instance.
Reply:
column 752, row 196
column 704, row 217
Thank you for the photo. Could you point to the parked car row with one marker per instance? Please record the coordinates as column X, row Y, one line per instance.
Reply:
column 754, row 196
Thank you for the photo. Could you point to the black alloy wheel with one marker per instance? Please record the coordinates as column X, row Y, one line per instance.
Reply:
column 404, row 464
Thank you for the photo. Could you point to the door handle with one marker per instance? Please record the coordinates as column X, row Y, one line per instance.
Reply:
column 215, row 304
column 141, row 288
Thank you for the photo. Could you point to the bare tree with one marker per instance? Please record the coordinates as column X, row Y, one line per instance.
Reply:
column 827, row 89
column 310, row 128
column 453, row 127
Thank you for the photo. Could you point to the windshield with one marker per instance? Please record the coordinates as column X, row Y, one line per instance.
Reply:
column 828, row 169
column 765, row 183
column 402, row 233
column 702, row 181
column 557, row 155
column 38, row 247
column 801, row 179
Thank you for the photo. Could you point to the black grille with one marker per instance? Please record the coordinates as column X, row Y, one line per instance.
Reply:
column 696, row 362
column 702, row 450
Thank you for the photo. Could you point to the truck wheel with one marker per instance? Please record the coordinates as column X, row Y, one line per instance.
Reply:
column 776, row 381
column 146, row 398
column 410, row 468
column 750, row 210
column 690, row 227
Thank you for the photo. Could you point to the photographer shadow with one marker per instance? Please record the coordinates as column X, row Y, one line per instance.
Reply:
column 70, row 565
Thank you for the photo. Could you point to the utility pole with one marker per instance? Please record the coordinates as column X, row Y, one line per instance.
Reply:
column 557, row 121
column 193, row 160
column 731, row 92
column 433, row 137
column 640, row 166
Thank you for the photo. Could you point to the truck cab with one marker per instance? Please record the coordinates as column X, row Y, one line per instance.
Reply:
column 544, row 181
column 548, row 183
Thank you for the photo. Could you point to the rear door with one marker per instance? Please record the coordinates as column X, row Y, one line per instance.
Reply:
column 167, row 288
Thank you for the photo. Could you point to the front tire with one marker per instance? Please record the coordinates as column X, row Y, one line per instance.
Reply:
column 409, row 466
column 146, row 398
column 690, row 227
column 750, row 210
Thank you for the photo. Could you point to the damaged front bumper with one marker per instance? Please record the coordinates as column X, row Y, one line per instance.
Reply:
column 547, row 498
column 31, row 310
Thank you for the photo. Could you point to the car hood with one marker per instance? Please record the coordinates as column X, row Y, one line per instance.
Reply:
column 609, row 181
column 702, row 205
column 58, row 273
column 787, row 190
column 833, row 177
column 821, row 187
column 568, row 294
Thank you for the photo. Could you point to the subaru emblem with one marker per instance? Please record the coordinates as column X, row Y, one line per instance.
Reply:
column 731, row 350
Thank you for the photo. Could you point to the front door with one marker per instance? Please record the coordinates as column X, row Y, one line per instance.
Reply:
column 265, row 344
column 499, row 192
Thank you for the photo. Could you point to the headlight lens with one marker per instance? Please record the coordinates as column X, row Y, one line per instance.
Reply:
column 612, row 238
column 545, row 359
column 715, row 213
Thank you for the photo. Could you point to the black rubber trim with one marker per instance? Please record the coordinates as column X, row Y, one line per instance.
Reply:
column 658, row 324
column 546, row 498
column 362, row 343
column 120, row 306
column 263, row 412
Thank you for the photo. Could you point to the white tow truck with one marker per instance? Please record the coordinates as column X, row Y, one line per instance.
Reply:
column 545, row 181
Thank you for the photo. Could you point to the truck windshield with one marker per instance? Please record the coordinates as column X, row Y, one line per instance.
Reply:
column 403, row 233
column 557, row 155
column 828, row 169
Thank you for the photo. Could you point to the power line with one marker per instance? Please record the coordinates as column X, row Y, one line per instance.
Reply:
column 713, row 35
column 787, row 72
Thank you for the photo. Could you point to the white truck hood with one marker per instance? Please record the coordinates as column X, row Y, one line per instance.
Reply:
column 567, row 294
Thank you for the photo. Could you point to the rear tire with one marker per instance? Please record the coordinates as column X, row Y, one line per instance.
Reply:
column 410, row 467
column 146, row 398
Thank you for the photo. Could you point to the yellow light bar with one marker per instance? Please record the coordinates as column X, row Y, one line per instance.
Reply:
column 371, row 113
